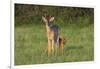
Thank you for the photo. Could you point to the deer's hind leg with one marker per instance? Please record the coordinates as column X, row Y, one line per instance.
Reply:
column 61, row 45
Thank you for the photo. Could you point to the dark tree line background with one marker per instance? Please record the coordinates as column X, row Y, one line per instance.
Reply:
column 28, row 13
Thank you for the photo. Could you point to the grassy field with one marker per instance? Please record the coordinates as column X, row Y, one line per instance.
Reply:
column 31, row 42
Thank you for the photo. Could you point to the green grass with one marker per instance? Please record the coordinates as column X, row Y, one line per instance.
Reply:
column 31, row 42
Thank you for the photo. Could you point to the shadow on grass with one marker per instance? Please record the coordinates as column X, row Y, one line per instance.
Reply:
column 73, row 47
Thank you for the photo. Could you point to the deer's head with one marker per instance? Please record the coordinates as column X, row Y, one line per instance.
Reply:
column 48, row 20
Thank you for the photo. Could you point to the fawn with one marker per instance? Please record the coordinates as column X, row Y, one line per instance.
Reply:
column 54, row 41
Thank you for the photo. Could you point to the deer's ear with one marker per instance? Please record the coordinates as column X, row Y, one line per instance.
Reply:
column 51, row 19
column 44, row 19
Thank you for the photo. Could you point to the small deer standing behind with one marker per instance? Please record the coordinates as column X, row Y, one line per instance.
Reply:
column 53, row 35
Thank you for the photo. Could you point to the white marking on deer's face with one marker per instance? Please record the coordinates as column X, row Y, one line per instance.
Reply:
column 48, row 20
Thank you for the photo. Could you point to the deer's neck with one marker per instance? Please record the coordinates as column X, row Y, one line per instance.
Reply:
column 47, row 27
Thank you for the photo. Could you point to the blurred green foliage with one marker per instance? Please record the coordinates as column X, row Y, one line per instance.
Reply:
column 33, row 13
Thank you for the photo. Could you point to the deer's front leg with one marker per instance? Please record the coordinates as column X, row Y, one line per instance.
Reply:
column 49, row 47
column 53, row 46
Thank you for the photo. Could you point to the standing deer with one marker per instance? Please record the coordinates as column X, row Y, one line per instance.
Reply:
column 54, row 41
